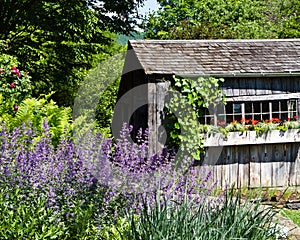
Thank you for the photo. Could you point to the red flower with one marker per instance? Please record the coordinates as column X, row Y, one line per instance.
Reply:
column 234, row 121
column 16, row 108
column 289, row 119
column 295, row 117
column 254, row 122
column 243, row 120
column 12, row 85
column 276, row 120
column 16, row 71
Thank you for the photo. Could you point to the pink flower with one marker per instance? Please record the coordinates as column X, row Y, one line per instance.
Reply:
column 16, row 108
column 12, row 85
column 16, row 71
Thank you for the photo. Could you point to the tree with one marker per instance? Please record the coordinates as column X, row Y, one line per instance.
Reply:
column 224, row 19
column 58, row 41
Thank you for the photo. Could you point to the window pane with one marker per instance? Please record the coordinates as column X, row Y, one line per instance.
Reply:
column 237, row 108
column 275, row 106
column 256, row 106
column 265, row 107
column 265, row 116
column 248, row 107
column 249, row 116
column 284, row 116
column 229, row 108
column 238, row 117
column 229, row 118
column 283, row 105
column 292, row 105
column 275, row 115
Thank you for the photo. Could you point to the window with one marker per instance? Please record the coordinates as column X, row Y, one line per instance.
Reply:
column 256, row 110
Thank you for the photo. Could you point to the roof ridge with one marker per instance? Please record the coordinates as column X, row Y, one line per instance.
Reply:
column 213, row 40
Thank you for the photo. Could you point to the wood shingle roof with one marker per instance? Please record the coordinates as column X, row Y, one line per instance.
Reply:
column 217, row 57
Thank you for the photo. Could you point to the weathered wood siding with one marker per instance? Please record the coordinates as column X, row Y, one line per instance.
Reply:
column 156, row 97
column 264, row 165
column 233, row 87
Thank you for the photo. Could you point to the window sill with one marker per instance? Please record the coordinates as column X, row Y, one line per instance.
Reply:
column 251, row 138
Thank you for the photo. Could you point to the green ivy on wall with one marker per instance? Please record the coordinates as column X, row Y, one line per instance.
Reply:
column 189, row 97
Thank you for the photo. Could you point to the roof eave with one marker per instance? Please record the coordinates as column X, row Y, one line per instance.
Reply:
column 224, row 75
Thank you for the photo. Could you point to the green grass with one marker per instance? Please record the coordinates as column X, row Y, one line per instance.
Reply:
column 294, row 215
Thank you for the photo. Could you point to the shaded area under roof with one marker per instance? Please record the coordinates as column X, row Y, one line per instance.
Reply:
column 217, row 57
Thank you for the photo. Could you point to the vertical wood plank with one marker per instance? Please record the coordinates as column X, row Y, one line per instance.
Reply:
column 243, row 86
column 278, row 154
column 152, row 116
column 243, row 165
column 260, row 86
column 266, row 165
column 255, row 166
column 235, row 87
column 277, row 86
column 296, row 151
column 250, row 86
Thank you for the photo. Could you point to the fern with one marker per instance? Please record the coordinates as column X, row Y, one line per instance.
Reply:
column 35, row 111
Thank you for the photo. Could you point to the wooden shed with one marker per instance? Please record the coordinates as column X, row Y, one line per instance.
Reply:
column 262, row 81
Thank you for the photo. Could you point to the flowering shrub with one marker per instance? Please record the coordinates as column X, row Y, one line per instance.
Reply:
column 14, row 87
column 90, row 182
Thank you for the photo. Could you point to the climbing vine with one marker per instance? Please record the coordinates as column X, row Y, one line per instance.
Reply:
column 189, row 97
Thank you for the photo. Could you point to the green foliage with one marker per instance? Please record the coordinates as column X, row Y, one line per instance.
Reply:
column 59, row 41
column 107, row 101
column 235, row 127
column 231, row 219
column 27, row 217
column 8, row 61
column 223, row 19
column 194, row 96
column 36, row 111
column 263, row 127
column 118, row 231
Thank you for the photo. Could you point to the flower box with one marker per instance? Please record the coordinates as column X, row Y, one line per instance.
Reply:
column 251, row 138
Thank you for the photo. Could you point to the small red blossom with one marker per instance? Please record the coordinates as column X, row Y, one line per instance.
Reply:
column 234, row 121
column 243, row 120
column 16, row 71
column 289, row 119
column 16, row 108
column 12, row 85
column 276, row 120
column 254, row 122
column 295, row 117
